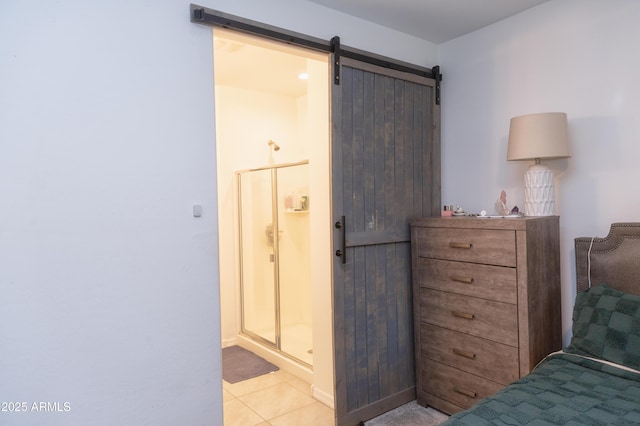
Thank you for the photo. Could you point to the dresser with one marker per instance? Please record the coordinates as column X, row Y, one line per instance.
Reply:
column 486, row 303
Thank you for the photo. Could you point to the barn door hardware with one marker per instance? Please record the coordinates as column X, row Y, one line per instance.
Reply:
column 438, row 77
column 335, row 48
column 342, row 251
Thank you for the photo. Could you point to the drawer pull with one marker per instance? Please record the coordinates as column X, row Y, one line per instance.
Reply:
column 465, row 354
column 453, row 244
column 464, row 315
column 462, row 279
column 465, row 392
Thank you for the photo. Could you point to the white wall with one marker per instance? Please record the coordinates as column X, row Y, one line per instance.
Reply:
column 317, row 132
column 576, row 56
column 109, row 297
column 109, row 285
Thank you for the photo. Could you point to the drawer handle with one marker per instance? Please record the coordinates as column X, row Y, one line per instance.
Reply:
column 465, row 392
column 461, row 279
column 465, row 354
column 464, row 315
column 453, row 244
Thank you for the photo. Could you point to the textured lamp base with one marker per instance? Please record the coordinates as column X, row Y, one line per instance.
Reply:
column 538, row 191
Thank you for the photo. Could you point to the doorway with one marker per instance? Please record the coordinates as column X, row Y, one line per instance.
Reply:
column 273, row 156
column 385, row 145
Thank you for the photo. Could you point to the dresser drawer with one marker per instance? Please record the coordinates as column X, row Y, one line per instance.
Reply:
column 486, row 281
column 490, row 246
column 457, row 387
column 494, row 361
column 488, row 319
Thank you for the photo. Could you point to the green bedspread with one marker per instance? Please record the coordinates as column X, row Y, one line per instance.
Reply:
column 563, row 390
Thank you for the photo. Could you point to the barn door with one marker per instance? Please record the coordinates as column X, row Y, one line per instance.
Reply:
column 385, row 170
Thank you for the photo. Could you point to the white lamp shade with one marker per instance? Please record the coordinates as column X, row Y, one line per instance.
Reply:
column 543, row 135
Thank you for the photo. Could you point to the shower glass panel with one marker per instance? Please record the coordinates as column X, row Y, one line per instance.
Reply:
column 295, row 263
column 275, row 258
column 257, row 254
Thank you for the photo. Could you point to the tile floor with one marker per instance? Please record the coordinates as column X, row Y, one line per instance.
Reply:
column 281, row 399
column 278, row 399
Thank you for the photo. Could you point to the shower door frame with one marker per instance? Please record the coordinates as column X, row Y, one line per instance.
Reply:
column 276, row 254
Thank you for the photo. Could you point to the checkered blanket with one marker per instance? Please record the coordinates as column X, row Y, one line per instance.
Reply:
column 563, row 390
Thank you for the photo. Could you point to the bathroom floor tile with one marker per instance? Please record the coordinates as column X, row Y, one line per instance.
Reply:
column 253, row 385
column 226, row 395
column 276, row 400
column 301, row 385
column 316, row 414
column 238, row 414
column 284, row 376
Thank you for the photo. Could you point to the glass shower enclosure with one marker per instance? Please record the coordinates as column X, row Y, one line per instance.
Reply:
column 275, row 261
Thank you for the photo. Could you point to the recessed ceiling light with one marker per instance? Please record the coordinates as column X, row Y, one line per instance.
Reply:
column 303, row 76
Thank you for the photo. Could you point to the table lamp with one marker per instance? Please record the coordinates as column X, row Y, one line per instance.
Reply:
column 536, row 137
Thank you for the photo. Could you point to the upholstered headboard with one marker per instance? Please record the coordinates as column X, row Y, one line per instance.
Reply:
column 612, row 260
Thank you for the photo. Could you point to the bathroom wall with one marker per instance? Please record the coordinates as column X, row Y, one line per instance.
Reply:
column 317, row 134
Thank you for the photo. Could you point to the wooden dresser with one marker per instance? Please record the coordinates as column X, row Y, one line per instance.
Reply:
column 486, row 300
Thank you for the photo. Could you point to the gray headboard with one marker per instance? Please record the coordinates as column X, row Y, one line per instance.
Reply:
column 612, row 260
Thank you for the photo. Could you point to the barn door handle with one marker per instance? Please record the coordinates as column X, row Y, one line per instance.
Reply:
column 342, row 252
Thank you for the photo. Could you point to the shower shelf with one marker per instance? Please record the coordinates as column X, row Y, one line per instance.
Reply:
column 296, row 212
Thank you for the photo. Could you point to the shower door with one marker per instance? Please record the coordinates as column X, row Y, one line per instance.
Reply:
column 257, row 257
column 275, row 259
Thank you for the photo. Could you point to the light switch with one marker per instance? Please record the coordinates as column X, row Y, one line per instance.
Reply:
column 197, row 210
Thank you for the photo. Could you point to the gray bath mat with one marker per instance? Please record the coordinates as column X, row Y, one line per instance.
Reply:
column 239, row 364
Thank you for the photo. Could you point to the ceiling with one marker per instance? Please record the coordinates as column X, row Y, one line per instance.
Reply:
column 436, row 21
column 255, row 63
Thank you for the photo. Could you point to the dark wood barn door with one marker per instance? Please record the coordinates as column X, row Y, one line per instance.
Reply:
column 385, row 170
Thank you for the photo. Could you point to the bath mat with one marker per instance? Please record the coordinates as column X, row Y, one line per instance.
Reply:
column 239, row 364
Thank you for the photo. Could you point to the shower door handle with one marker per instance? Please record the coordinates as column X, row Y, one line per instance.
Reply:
column 341, row 252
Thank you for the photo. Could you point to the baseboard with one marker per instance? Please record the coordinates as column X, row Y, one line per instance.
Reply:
column 322, row 396
column 229, row 342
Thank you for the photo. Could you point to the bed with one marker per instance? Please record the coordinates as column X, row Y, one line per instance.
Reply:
column 595, row 380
